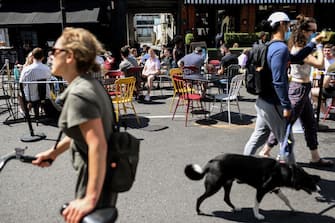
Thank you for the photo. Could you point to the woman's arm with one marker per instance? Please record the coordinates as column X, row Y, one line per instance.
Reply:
column 304, row 52
column 145, row 68
column 157, row 67
column 52, row 153
column 317, row 62
column 94, row 136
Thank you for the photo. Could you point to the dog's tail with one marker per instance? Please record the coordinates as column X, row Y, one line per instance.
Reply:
column 195, row 172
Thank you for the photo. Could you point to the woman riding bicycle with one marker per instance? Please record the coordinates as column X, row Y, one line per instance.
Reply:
column 86, row 120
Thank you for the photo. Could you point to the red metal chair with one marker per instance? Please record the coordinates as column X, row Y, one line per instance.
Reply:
column 329, row 107
column 185, row 95
column 109, row 79
column 214, row 62
column 113, row 74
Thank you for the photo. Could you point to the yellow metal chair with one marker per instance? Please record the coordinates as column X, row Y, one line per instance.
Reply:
column 173, row 72
column 124, row 97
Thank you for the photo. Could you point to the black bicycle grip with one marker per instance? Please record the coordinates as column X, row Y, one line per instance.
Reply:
column 30, row 159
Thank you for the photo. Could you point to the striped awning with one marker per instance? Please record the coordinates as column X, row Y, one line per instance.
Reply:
column 258, row 2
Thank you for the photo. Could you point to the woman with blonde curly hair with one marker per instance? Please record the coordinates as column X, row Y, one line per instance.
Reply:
column 85, row 119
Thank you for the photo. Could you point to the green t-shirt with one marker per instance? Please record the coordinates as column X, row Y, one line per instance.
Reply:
column 84, row 99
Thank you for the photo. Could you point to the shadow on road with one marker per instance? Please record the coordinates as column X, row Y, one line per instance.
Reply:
column 329, row 169
column 130, row 121
column 235, row 118
column 272, row 216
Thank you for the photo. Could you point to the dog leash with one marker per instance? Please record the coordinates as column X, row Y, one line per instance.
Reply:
column 286, row 146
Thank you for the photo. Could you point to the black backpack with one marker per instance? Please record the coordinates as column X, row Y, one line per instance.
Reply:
column 258, row 79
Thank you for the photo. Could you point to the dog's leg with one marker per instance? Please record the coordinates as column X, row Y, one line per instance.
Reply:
column 259, row 197
column 227, row 188
column 210, row 190
column 282, row 196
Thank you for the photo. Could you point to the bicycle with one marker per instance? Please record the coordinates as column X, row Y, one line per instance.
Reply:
column 104, row 215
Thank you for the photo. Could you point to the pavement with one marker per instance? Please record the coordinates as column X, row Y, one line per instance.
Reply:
column 161, row 192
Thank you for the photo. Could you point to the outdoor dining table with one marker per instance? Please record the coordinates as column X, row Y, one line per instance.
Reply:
column 205, row 79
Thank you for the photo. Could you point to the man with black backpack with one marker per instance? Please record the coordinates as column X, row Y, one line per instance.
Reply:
column 273, row 105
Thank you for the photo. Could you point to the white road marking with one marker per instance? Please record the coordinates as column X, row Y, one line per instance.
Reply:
column 163, row 116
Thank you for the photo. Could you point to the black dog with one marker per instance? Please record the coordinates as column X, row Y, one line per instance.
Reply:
column 264, row 174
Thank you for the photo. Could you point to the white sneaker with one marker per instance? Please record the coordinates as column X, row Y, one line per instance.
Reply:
column 147, row 98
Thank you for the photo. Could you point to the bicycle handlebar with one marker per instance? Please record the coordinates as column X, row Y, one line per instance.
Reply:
column 18, row 154
column 105, row 215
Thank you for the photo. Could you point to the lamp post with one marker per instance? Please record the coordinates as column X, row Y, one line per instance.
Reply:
column 63, row 12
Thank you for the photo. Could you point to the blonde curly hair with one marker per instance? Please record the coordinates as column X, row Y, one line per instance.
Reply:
column 84, row 46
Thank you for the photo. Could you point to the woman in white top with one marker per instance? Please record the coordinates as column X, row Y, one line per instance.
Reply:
column 151, row 69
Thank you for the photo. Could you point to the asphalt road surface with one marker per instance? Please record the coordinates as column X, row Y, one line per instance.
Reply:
column 161, row 192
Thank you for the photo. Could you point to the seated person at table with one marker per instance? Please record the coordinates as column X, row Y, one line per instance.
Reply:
column 127, row 61
column 194, row 59
column 227, row 59
column 166, row 60
column 329, row 54
column 109, row 62
column 150, row 70
column 328, row 90
column 243, row 58
column 133, row 56
column 34, row 72
column 145, row 54
column 37, row 71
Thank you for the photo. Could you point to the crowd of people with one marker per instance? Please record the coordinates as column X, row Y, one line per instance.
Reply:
column 75, row 58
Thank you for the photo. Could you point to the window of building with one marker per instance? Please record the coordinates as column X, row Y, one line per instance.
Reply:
column 264, row 11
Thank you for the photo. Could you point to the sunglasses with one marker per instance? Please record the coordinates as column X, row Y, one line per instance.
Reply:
column 311, row 30
column 55, row 51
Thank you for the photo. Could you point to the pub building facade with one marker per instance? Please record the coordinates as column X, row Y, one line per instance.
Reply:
column 209, row 17
column 28, row 24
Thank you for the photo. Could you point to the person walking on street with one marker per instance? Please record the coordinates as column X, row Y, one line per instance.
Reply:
column 300, row 88
column 273, row 105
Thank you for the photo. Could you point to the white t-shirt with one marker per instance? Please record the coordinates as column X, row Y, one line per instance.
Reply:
column 34, row 72
column 151, row 66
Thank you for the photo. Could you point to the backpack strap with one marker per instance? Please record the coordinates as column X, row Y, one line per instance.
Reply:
column 267, row 44
column 115, row 125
